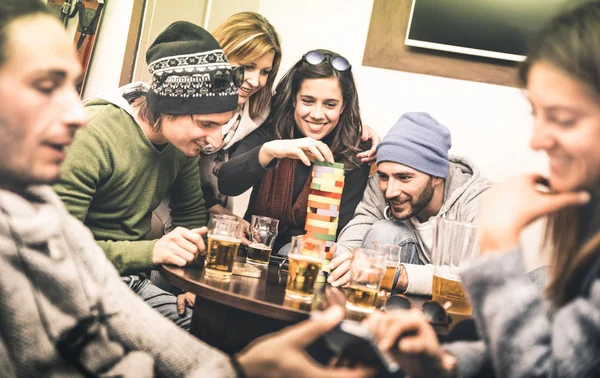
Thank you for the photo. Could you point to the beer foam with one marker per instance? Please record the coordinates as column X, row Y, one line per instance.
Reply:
column 258, row 246
column 305, row 258
column 447, row 273
column 224, row 238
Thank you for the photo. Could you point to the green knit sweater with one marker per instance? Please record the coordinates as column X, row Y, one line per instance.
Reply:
column 113, row 178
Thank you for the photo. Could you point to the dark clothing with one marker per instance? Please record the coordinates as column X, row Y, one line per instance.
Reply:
column 243, row 171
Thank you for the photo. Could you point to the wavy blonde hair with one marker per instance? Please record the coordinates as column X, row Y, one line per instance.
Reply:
column 246, row 37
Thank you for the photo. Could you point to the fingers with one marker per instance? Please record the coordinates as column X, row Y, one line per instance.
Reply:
column 325, row 151
column 365, row 132
column 315, row 152
column 399, row 324
column 330, row 372
column 340, row 275
column 180, row 304
column 303, row 334
column 183, row 254
column 555, row 202
column 190, row 300
column 337, row 260
column 194, row 236
column 175, row 260
column 301, row 155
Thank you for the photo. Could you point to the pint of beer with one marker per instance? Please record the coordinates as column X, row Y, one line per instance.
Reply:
column 223, row 243
column 263, row 231
column 305, row 258
column 367, row 269
column 393, row 259
column 454, row 243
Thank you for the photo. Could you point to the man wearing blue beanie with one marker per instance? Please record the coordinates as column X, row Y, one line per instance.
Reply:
column 415, row 180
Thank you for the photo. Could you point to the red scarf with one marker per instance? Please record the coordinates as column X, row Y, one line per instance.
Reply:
column 274, row 197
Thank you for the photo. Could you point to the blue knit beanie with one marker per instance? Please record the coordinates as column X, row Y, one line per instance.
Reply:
column 417, row 141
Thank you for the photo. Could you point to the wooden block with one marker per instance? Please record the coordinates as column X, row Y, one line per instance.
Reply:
column 326, row 164
column 332, row 189
column 328, row 212
column 322, row 224
column 314, row 216
column 324, row 181
column 320, row 199
column 318, row 205
column 324, row 237
column 315, row 229
column 327, row 194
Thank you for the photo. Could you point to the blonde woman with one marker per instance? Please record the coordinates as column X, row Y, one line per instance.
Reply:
column 250, row 41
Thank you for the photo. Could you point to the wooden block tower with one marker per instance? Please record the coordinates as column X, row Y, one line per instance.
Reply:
column 324, row 205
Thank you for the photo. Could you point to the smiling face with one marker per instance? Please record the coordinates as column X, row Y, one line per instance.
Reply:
column 407, row 191
column 39, row 107
column 256, row 74
column 189, row 134
column 318, row 106
column 566, row 127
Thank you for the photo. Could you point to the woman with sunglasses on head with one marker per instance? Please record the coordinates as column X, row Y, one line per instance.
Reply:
column 314, row 117
column 251, row 42
column 526, row 333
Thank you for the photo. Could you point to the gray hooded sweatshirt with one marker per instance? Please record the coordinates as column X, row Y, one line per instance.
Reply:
column 54, row 277
column 464, row 184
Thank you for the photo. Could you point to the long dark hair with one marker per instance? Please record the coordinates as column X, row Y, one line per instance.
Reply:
column 346, row 136
column 569, row 43
column 10, row 10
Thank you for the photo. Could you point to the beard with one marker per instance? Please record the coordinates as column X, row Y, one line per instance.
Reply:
column 416, row 205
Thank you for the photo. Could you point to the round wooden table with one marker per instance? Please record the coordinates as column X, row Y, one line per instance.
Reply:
column 230, row 314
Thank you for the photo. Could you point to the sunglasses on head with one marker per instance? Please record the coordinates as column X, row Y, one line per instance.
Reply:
column 338, row 62
column 435, row 313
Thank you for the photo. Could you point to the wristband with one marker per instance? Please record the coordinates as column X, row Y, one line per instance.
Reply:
column 396, row 277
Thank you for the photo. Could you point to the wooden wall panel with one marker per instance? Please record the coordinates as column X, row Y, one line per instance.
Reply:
column 385, row 48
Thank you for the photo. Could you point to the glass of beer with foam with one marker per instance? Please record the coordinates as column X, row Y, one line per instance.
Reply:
column 367, row 269
column 224, row 238
column 454, row 244
column 393, row 259
column 263, row 231
column 306, row 257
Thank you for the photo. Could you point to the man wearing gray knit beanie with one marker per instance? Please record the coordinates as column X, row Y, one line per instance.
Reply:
column 415, row 180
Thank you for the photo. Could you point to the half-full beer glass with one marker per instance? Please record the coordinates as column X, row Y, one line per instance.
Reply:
column 454, row 243
column 263, row 231
column 367, row 269
column 223, row 243
column 393, row 259
column 305, row 258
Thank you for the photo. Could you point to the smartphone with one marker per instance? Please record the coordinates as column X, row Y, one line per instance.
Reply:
column 354, row 343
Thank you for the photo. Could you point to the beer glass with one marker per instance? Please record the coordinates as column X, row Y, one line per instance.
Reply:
column 305, row 257
column 263, row 231
column 454, row 243
column 223, row 243
column 393, row 259
column 367, row 269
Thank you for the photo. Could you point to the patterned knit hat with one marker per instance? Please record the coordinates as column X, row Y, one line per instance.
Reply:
column 418, row 141
column 190, row 73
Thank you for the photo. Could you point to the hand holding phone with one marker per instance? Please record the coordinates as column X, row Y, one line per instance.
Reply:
column 353, row 342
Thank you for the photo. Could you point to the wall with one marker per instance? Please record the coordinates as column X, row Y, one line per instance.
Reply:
column 158, row 15
column 491, row 124
column 107, row 61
